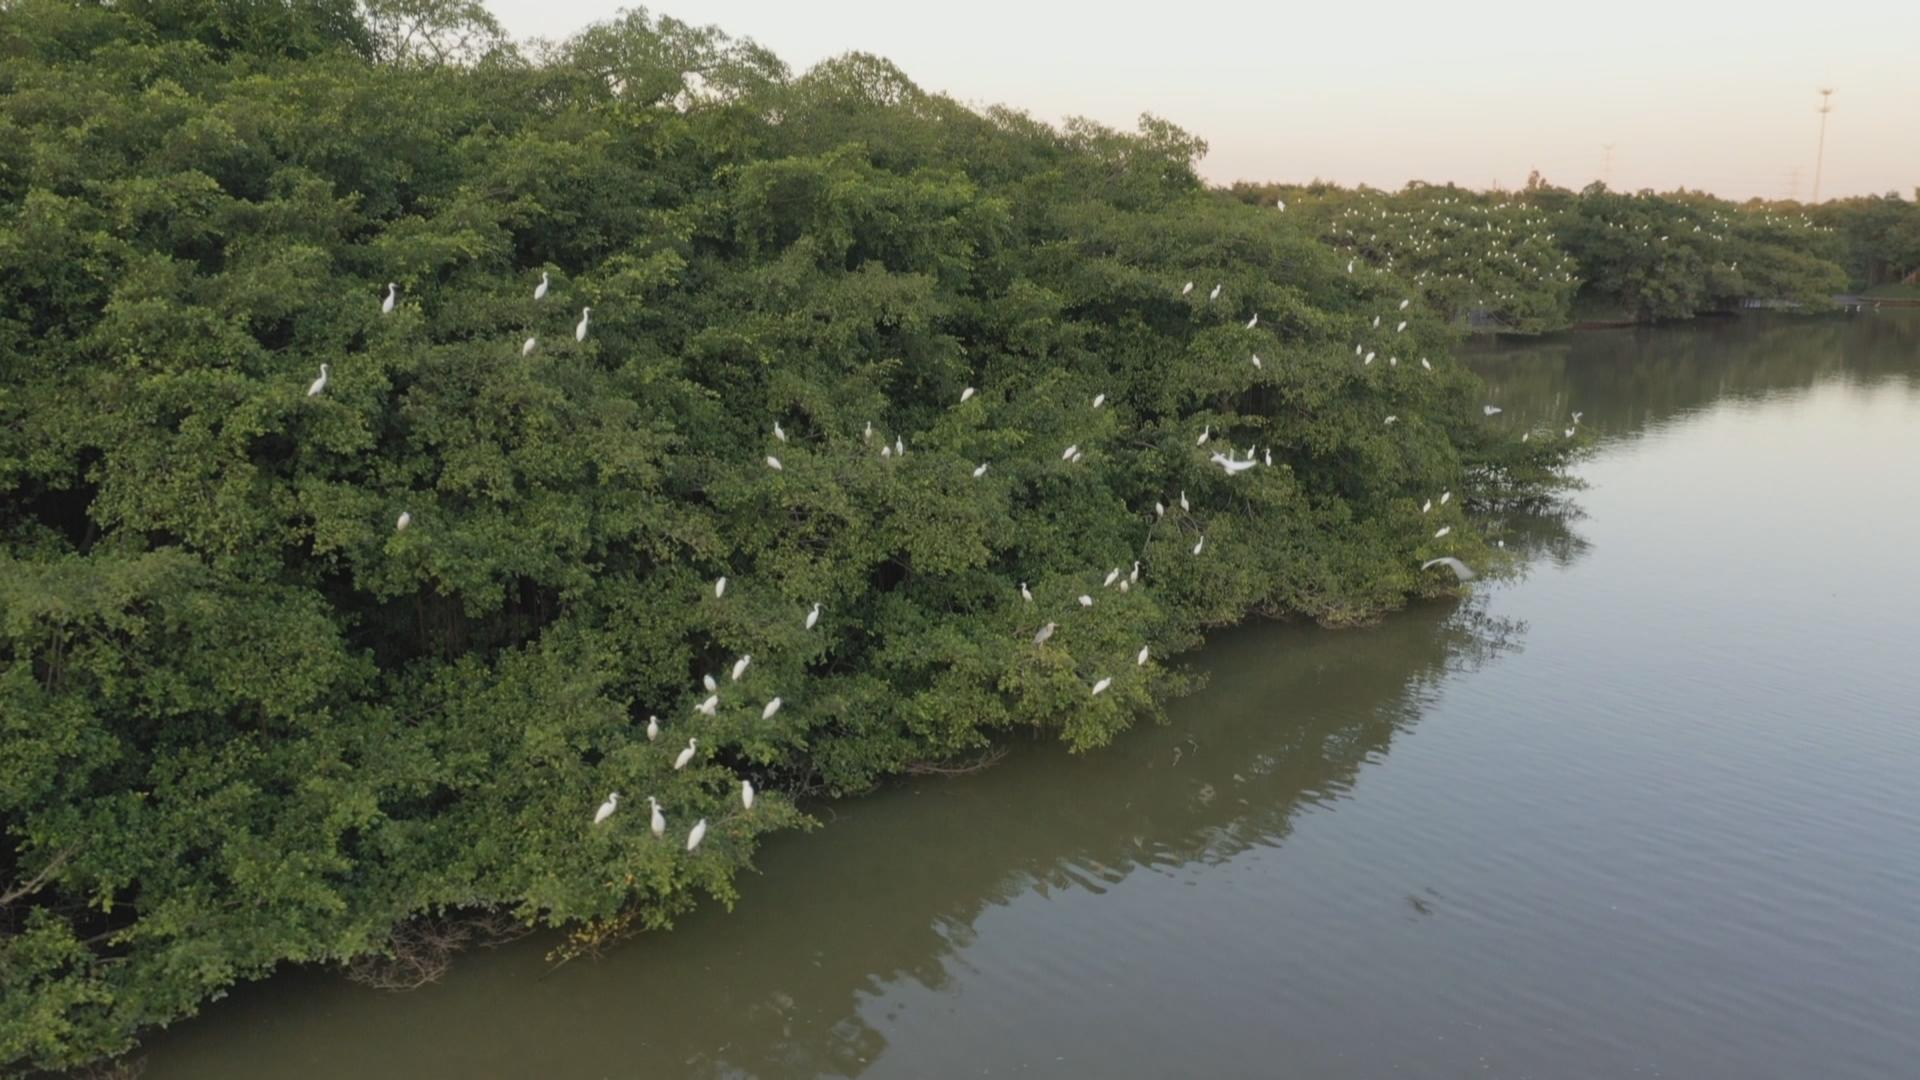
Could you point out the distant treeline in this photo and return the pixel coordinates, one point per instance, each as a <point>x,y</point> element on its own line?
<point>1544,257</point>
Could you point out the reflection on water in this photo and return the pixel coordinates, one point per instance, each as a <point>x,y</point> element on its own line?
<point>1646,810</point>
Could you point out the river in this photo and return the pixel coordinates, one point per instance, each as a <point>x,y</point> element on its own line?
<point>1647,806</point>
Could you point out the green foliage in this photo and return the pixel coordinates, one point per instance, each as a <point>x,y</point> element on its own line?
<point>248,721</point>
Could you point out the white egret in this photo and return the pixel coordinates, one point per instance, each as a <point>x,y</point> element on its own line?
<point>1577,416</point>
<point>708,682</point>
<point>1349,266</point>
<point>1101,686</point>
<point>1202,544</point>
<point>1442,531</point>
<point>1076,456</point>
<point>1067,454</point>
<point>1446,497</point>
<point>779,432</point>
<point>1142,658</point>
<point>1391,419</point>
<point>1085,600</point>
<point>1424,364</point>
<point>1569,433</point>
<point>1376,322</point>
<point>540,290</point>
<point>1159,509</point>
<point>1024,594</point>
<point>740,666</point>
<point>527,346</point>
<point>1268,456</point>
<point>1491,410</point>
<point>314,388</point>
<point>746,794</point>
<point>980,470</point>
<point>1404,303</point>
<point>1099,400</point>
<point>720,586</point>
<point>1215,294</point>
<point>405,520</point>
<point>607,808</point>
<point>1233,468</point>
<point>966,394</point>
<point>1368,360</point>
<point>1204,436</point>
<point>772,707</point>
<point>1401,328</point>
<point>1460,570</point>
<point>1525,435</point>
<point>1135,576</point>
<point>1426,506</point>
<point>710,707</point>
<point>1280,204</point>
<point>698,834</point>
<point>653,728</point>
<point>899,446</point>
<point>393,297</point>
<point>886,451</point>
<point>1045,632</point>
<point>686,755</point>
<point>1183,500</point>
<point>1256,360</point>
<point>867,435</point>
<point>813,617</point>
<point>1253,322</point>
<point>774,464</point>
<point>659,821</point>
<point>1186,288</point>
<point>1393,361</point>
<point>580,329</point>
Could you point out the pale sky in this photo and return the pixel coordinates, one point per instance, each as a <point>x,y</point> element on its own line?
<point>1715,95</point>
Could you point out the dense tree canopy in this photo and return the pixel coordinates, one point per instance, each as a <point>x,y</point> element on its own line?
<point>248,720</point>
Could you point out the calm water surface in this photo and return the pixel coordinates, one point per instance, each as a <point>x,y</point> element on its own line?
<point>1646,808</point>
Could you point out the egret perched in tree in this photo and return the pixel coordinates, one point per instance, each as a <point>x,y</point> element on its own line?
<point>1376,322</point>
<point>1233,468</point>
<point>813,617</point>
<point>772,707</point>
<point>659,821</point>
<point>1024,594</point>
<point>1135,576</point>
<point>774,464</point>
<point>1446,497</point>
<point>867,435</point>
<point>740,666</point>
<point>1268,456</point>
<point>1424,364</point>
<point>720,587</point>
<point>1577,416</point>
<point>316,386</point>
<point>1085,600</point>
<point>1253,322</point>
<point>1569,433</point>
<point>1113,575</point>
<point>1443,530</point>
<point>1186,289</point>
<point>1067,454</point>
<point>1044,633</point>
<point>1460,570</point>
<point>1183,500</point>
<point>1401,328</point>
<point>607,808</point>
<point>1391,419</point>
<point>698,833</point>
<point>540,290</point>
<point>1491,410</point>
<point>1142,658</point>
<point>746,794</point>
<point>1159,509</point>
<point>779,432</point>
<point>1393,361</point>
<point>709,683</point>
<point>527,346</point>
<point>1202,544</point>
<point>1404,303</point>
<point>1215,294</point>
<point>1099,400</point>
<point>1368,360</point>
<point>965,395</point>
<point>393,297</point>
<point>1204,436</point>
<point>899,446</point>
<point>709,706</point>
<point>580,329</point>
<point>1256,360</point>
<point>980,470</point>
<point>653,728</point>
<point>1076,456</point>
<point>1426,506</point>
<point>685,755</point>
<point>1349,266</point>
<point>1101,686</point>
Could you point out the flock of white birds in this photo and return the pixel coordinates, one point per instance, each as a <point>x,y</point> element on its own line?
<point>1229,462</point>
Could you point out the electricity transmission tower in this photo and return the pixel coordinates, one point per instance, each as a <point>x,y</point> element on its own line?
<point>1820,156</point>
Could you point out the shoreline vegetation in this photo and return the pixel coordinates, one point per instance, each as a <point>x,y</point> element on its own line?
<point>399,424</point>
